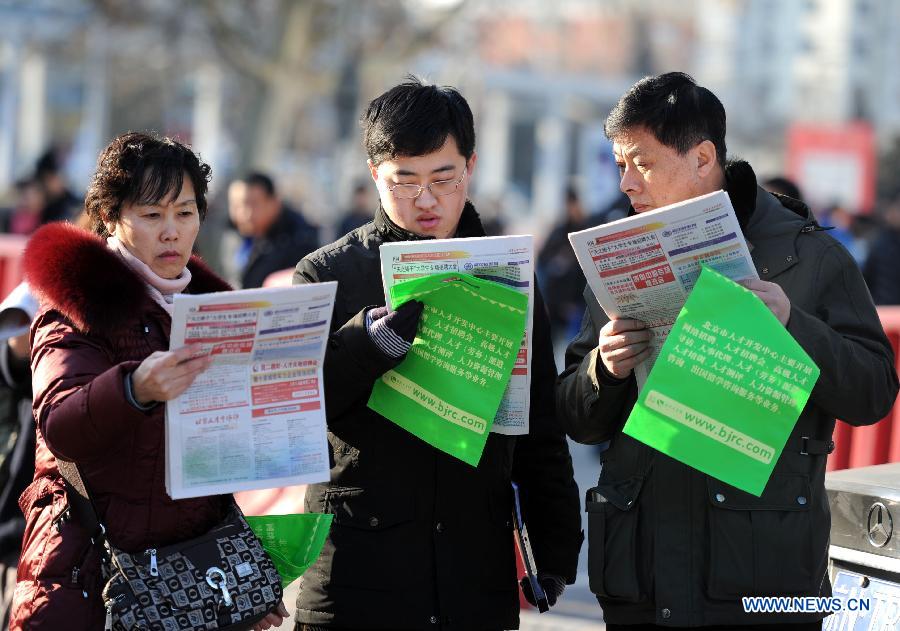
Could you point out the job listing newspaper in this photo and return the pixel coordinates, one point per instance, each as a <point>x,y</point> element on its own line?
<point>644,266</point>
<point>256,418</point>
<point>507,260</point>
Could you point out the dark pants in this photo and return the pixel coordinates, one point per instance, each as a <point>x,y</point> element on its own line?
<point>803,626</point>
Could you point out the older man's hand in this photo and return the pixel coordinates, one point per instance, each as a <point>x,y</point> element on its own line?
<point>773,295</point>
<point>623,344</point>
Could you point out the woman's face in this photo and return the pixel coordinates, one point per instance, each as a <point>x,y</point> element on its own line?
<point>161,235</point>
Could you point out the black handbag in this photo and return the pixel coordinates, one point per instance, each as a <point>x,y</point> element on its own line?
<point>222,579</point>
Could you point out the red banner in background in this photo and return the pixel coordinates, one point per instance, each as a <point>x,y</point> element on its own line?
<point>834,164</point>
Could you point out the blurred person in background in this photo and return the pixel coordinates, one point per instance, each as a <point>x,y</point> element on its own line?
<point>492,211</point>
<point>62,204</point>
<point>420,539</point>
<point>360,211</point>
<point>559,273</point>
<point>101,372</point>
<point>270,236</point>
<point>31,200</point>
<point>670,547</point>
<point>882,268</point>
<point>844,230</point>
<point>781,185</point>
<point>17,435</point>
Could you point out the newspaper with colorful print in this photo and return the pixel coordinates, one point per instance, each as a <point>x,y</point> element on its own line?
<point>506,260</point>
<point>644,266</point>
<point>255,419</point>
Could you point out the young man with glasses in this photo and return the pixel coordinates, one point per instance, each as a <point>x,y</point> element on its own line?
<point>421,539</point>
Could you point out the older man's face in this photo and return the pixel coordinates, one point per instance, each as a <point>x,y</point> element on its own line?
<point>252,209</point>
<point>655,175</point>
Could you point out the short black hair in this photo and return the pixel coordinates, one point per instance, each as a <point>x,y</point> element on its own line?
<point>415,119</point>
<point>784,186</point>
<point>142,168</point>
<point>257,178</point>
<point>47,163</point>
<point>679,113</point>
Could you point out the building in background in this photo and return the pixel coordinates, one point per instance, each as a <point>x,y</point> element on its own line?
<point>278,85</point>
<point>823,63</point>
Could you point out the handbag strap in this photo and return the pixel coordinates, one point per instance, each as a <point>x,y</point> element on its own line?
<point>80,502</point>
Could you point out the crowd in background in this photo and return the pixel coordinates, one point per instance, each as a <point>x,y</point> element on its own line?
<point>264,233</point>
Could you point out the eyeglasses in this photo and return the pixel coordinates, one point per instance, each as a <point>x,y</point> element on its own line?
<point>438,189</point>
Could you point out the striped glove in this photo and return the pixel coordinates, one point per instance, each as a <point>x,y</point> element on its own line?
<point>393,332</point>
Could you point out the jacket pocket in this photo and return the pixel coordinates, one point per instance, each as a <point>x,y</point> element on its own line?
<point>760,546</point>
<point>368,537</point>
<point>613,563</point>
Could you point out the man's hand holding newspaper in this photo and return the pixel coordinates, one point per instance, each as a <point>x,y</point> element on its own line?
<point>624,343</point>
<point>773,296</point>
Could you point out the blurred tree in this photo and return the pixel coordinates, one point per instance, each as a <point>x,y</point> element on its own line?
<point>293,54</point>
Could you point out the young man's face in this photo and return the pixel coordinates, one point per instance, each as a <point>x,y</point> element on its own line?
<point>427,215</point>
<point>655,175</point>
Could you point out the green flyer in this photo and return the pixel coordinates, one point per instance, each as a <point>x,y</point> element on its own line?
<point>448,388</point>
<point>728,387</point>
<point>292,541</point>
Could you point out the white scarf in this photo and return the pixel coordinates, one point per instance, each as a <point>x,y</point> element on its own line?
<point>161,289</point>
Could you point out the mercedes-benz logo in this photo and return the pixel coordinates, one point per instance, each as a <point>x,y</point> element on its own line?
<point>880,525</point>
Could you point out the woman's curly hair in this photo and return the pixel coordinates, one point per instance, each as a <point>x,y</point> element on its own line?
<point>142,168</point>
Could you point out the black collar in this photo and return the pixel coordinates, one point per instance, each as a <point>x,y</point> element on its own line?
<point>740,184</point>
<point>469,226</point>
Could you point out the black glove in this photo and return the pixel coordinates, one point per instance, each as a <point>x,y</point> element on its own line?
<point>393,332</point>
<point>552,585</point>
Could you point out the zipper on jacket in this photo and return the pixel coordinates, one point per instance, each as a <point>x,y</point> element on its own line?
<point>60,519</point>
<point>110,603</point>
<point>75,571</point>
<point>154,570</point>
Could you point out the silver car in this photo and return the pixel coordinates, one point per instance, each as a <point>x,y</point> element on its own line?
<point>865,547</point>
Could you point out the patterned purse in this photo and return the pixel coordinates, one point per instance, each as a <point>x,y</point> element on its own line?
<point>220,580</point>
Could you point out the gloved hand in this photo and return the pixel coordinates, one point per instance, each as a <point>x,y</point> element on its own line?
<point>393,332</point>
<point>553,588</point>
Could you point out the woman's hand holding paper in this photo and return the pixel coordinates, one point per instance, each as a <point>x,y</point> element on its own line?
<point>164,375</point>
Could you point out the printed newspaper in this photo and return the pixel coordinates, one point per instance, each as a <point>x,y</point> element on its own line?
<point>507,260</point>
<point>643,267</point>
<point>256,418</point>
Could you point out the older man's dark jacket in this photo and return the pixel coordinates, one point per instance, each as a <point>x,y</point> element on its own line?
<point>672,546</point>
<point>421,539</point>
<point>288,239</point>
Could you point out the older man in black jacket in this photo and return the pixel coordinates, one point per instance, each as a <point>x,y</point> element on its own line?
<point>668,545</point>
<point>270,237</point>
<point>421,539</point>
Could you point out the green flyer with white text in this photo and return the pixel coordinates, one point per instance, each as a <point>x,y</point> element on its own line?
<point>448,388</point>
<point>293,542</point>
<point>728,387</point>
